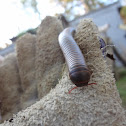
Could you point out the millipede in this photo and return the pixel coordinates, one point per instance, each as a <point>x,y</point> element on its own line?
<point>78,71</point>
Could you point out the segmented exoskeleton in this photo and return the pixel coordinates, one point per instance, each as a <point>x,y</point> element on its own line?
<point>78,71</point>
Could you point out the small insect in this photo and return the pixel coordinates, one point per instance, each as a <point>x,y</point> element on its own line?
<point>78,71</point>
<point>103,47</point>
<point>10,120</point>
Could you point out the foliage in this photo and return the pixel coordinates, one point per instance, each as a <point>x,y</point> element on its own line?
<point>71,6</point>
<point>30,3</point>
<point>121,85</point>
<point>92,4</point>
<point>123,11</point>
<point>32,31</point>
<point>123,14</point>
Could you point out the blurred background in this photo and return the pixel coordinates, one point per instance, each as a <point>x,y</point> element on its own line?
<point>21,16</point>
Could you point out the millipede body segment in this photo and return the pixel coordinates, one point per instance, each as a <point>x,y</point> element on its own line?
<point>78,71</point>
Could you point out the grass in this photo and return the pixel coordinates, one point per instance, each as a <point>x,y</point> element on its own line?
<point>121,85</point>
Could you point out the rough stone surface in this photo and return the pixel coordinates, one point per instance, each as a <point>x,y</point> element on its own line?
<point>94,105</point>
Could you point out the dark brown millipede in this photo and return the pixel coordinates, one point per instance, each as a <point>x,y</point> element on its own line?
<point>78,71</point>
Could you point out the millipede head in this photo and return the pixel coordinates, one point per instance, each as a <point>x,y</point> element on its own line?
<point>80,76</point>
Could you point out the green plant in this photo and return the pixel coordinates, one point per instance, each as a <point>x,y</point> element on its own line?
<point>121,85</point>
<point>123,11</point>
